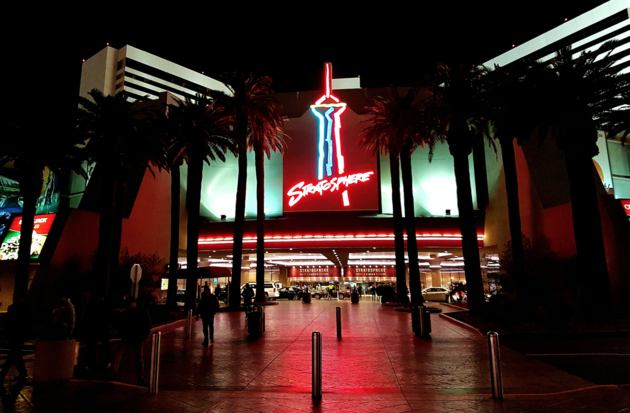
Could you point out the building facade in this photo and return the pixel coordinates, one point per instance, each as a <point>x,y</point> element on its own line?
<point>328,202</point>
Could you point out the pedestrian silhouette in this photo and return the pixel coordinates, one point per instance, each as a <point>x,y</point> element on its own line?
<point>19,323</point>
<point>207,308</point>
<point>135,326</point>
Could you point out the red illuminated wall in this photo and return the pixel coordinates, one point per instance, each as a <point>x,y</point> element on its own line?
<point>300,165</point>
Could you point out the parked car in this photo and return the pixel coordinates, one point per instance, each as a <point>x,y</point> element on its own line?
<point>435,294</point>
<point>343,293</point>
<point>271,290</point>
<point>291,293</point>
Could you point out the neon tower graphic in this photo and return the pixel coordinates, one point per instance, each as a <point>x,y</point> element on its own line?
<point>328,111</point>
<point>331,172</point>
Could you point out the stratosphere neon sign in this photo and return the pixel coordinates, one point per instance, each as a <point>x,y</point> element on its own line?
<point>328,110</point>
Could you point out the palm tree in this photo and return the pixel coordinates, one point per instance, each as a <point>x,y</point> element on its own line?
<point>456,101</point>
<point>122,141</point>
<point>201,134</point>
<point>168,129</point>
<point>399,125</point>
<point>380,138</point>
<point>258,125</point>
<point>509,108</point>
<point>30,149</point>
<point>581,94</point>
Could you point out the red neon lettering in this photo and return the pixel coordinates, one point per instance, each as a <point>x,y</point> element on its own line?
<point>300,190</point>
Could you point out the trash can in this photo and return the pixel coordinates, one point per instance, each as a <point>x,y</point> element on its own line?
<point>306,298</point>
<point>255,321</point>
<point>54,360</point>
<point>354,298</point>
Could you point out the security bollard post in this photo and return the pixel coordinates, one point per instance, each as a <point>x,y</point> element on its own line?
<point>427,320</point>
<point>189,319</point>
<point>495,365</point>
<point>154,372</point>
<point>317,365</point>
<point>424,328</point>
<point>415,320</point>
<point>338,322</point>
<point>261,321</point>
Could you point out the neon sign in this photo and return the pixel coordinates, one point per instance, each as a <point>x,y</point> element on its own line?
<point>331,165</point>
<point>300,190</point>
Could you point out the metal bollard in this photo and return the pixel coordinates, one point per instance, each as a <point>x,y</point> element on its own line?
<point>415,320</point>
<point>261,321</point>
<point>189,324</point>
<point>338,322</point>
<point>495,365</point>
<point>154,372</point>
<point>317,365</point>
<point>425,326</point>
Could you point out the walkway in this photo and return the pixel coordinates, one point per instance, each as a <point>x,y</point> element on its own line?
<point>378,365</point>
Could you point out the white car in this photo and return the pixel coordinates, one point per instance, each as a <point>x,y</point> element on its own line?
<point>435,294</point>
<point>271,290</point>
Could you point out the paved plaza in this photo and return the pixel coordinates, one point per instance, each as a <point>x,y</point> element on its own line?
<point>378,365</point>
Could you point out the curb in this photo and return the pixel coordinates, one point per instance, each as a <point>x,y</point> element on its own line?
<point>465,326</point>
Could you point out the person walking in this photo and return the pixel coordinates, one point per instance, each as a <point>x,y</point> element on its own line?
<point>96,318</point>
<point>62,325</point>
<point>208,307</point>
<point>135,326</point>
<point>359,291</point>
<point>248,294</point>
<point>19,323</point>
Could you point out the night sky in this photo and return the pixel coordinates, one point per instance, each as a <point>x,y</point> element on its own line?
<point>392,44</point>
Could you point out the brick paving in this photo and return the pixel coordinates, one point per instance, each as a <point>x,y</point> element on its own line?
<point>378,366</point>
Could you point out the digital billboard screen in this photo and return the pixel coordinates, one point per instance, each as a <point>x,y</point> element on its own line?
<point>11,243</point>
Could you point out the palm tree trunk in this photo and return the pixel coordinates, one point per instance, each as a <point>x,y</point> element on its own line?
<point>30,186</point>
<point>117,222</point>
<point>588,233</point>
<point>108,183</point>
<point>260,225</point>
<point>514,215</point>
<point>171,295</point>
<point>460,145</point>
<point>410,224</point>
<point>239,220</point>
<point>193,199</point>
<point>399,241</point>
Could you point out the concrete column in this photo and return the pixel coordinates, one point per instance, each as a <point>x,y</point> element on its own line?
<point>436,277</point>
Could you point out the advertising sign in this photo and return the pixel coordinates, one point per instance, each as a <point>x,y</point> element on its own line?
<point>10,245</point>
<point>325,271</point>
<point>324,170</point>
<point>626,205</point>
<point>47,203</point>
<point>602,163</point>
<point>373,271</point>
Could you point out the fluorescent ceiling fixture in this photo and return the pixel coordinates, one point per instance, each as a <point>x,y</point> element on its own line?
<point>454,264</point>
<point>227,266</point>
<point>364,255</point>
<point>303,263</point>
<point>444,254</point>
<point>315,256</point>
<point>253,265</point>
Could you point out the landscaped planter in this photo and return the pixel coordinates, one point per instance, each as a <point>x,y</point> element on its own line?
<point>54,360</point>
